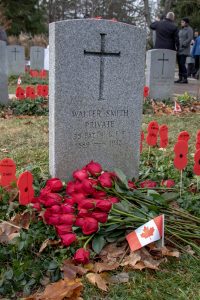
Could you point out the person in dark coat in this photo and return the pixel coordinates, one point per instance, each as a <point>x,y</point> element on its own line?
<point>185,38</point>
<point>3,35</point>
<point>166,33</point>
<point>196,55</point>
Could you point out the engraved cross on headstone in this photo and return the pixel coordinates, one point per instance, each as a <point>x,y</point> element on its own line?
<point>15,51</point>
<point>37,51</point>
<point>163,60</point>
<point>102,54</point>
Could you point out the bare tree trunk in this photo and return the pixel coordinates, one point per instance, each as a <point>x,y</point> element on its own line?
<point>168,5</point>
<point>147,15</point>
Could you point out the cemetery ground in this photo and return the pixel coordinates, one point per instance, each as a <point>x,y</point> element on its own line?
<point>25,140</point>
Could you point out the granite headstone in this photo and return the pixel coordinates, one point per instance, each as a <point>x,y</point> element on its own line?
<point>96,95</point>
<point>3,74</point>
<point>37,58</point>
<point>15,60</point>
<point>160,73</point>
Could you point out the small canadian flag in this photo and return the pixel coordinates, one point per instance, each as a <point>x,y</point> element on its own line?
<point>149,232</point>
<point>177,107</point>
<point>19,81</point>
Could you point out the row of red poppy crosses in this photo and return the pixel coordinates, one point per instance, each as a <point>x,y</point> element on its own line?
<point>30,92</point>
<point>38,74</point>
<point>24,182</point>
<point>180,148</point>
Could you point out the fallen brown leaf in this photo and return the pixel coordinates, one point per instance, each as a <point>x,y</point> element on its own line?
<point>46,243</point>
<point>63,289</point>
<point>132,259</point>
<point>101,267</point>
<point>111,253</point>
<point>170,252</point>
<point>70,271</point>
<point>97,279</point>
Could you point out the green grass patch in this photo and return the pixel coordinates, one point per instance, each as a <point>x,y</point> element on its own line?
<point>25,139</point>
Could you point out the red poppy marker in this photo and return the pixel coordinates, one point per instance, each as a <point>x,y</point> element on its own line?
<point>25,186</point>
<point>30,92</point>
<point>181,151</point>
<point>163,132</point>
<point>196,168</point>
<point>45,90</point>
<point>43,74</point>
<point>184,136</point>
<point>146,91</point>
<point>153,129</point>
<point>198,140</point>
<point>20,93</point>
<point>180,159</point>
<point>7,172</point>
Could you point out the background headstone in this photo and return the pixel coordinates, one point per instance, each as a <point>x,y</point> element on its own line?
<point>46,58</point>
<point>160,73</point>
<point>15,60</point>
<point>3,74</point>
<point>96,95</point>
<point>37,58</point>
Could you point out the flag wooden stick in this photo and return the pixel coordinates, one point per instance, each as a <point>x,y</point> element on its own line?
<point>181,182</point>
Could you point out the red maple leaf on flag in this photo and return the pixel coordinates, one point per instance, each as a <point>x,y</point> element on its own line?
<point>147,232</point>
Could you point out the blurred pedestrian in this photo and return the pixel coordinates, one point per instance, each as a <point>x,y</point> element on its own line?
<point>166,33</point>
<point>185,38</point>
<point>196,55</point>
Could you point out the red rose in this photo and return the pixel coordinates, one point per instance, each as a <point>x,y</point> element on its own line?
<point>54,219</point>
<point>51,199</point>
<point>148,184</point>
<point>94,168</point>
<point>69,201</point>
<point>90,226</point>
<point>70,188</point>
<point>101,217</point>
<point>37,206</point>
<point>68,238</point>
<point>105,179</point>
<point>131,185</point>
<point>54,184</point>
<point>88,185</point>
<point>99,194</point>
<point>83,213</point>
<point>67,209</point>
<point>55,209</point>
<point>113,199</point>
<point>82,256</point>
<point>87,204</point>
<point>79,222</point>
<point>67,219</point>
<point>63,229</point>
<point>78,187</point>
<point>80,175</point>
<point>104,205</point>
<point>78,197</point>
<point>45,191</point>
<point>168,183</point>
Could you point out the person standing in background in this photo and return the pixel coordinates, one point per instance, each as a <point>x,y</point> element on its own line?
<point>166,33</point>
<point>196,55</point>
<point>185,38</point>
<point>3,35</point>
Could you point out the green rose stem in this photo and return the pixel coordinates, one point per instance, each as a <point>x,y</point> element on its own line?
<point>128,215</point>
<point>88,240</point>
